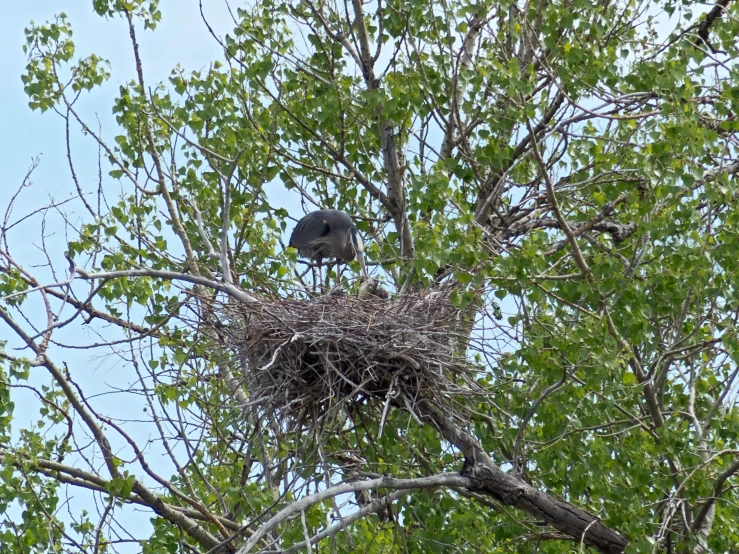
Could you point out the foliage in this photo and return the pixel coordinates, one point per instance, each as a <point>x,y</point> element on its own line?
<point>568,166</point>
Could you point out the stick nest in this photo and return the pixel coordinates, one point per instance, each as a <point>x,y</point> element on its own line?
<point>301,359</point>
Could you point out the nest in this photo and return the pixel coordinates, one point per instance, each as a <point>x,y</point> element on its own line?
<point>304,359</point>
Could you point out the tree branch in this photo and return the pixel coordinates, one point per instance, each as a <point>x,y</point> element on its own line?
<point>227,288</point>
<point>509,490</point>
<point>444,479</point>
<point>716,12</point>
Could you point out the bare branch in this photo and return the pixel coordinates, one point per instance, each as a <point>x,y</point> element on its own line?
<point>442,480</point>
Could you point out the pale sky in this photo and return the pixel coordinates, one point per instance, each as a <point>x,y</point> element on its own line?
<point>181,39</point>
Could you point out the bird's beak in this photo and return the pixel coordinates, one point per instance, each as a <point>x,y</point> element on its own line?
<point>360,259</point>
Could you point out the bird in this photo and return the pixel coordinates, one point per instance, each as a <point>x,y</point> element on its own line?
<point>328,234</point>
<point>370,289</point>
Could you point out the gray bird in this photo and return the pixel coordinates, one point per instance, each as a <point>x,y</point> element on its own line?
<point>328,234</point>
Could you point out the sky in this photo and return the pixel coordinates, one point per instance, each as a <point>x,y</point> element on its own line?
<point>180,39</point>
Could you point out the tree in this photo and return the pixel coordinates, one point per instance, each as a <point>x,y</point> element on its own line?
<point>566,168</point>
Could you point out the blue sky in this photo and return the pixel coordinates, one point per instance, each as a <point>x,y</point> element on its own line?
<point>180,39</point>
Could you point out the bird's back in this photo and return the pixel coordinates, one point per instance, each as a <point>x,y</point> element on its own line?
<point>326,234</point>
<point>316,225</point>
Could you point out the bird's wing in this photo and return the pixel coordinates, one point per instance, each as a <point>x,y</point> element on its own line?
<point>308,229</point>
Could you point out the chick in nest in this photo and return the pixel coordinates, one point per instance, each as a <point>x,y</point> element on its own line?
<point>370,288</point>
